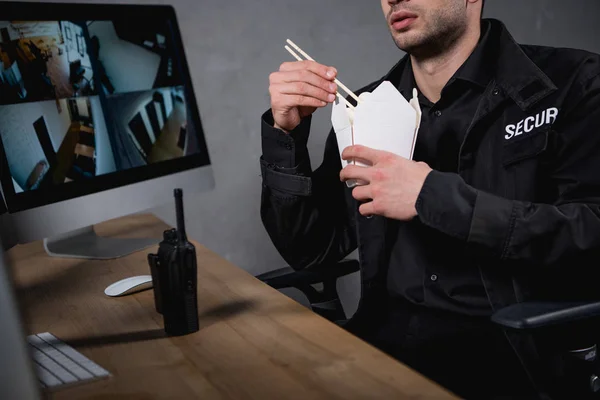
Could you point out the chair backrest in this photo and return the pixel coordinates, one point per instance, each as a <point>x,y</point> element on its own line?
<point>325,301</point>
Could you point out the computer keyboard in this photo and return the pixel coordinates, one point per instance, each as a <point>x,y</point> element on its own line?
<point>57,364</point>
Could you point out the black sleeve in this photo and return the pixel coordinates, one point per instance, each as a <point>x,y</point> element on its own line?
<point>536,234</point>
<point>304,212</point>
<point>280,148</point>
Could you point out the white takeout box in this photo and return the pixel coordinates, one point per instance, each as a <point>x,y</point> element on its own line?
<point>383,120</point>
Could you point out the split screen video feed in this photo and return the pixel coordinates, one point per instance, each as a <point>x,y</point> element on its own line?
<point>83,99</point>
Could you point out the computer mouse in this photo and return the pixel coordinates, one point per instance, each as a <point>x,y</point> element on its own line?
<point>129,286</point>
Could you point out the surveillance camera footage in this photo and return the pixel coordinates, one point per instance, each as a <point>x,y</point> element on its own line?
<point>43,60</point>
<point>151,126</point>
<point>55,141</point>
<point>133,57</point>
<point>83,99</point>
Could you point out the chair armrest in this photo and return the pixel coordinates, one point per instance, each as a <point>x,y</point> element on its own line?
<point>534,315</point>
<point>288,277</point>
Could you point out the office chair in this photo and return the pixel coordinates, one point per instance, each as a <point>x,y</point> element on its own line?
<point>324,302</point>
<point>566,332</point>
<point>76,72</point>
<point>77,76</point>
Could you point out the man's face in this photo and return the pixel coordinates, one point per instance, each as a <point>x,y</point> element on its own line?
<point>425,25</point>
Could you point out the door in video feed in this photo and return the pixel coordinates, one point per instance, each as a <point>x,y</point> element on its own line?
<point>52,125</point>
<point>145,97</point>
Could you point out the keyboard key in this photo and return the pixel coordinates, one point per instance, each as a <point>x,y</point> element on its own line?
<point>56,369</point>
<point>60,358</point>
<point>46,377</point>
<point>74,355</point>
<point>58,364</point>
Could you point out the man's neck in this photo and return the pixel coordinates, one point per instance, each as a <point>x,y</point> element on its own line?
<point>433,73</point>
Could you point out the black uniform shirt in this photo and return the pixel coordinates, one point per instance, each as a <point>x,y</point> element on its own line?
<point>432,274</point>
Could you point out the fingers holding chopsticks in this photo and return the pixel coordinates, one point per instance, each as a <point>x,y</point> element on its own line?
<point>323,71</point>
<point>302,94</point>
<point>298,89</point>
<point>304,75</point>
<point>305,83</point>
<point>294,94</point>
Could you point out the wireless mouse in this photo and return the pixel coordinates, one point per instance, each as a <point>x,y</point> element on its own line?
<point>129,286</point>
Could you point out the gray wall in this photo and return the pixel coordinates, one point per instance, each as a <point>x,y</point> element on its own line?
<point>232,46</point>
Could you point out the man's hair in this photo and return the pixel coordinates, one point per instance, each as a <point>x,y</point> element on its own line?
<point>482,6</point>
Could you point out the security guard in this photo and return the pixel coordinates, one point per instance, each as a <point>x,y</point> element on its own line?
<point>501,205</point>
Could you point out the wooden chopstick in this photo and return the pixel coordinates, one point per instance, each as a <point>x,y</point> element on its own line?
<point>337,93</point>
<point>340,84</point>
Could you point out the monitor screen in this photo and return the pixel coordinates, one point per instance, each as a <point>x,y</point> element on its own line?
<point>92,97</point>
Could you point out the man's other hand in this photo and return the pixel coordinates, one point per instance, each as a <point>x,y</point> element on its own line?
<point>393,183</point>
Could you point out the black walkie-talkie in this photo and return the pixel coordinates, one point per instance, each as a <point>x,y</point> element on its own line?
<point>174,274</point>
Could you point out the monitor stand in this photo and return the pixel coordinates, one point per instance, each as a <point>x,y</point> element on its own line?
<point>85,243</point>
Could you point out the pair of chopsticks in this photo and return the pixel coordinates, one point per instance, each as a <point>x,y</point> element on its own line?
<point>340,84</point>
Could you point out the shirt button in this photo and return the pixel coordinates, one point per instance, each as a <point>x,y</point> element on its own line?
<point>434,278</point>
<point>438,113</point>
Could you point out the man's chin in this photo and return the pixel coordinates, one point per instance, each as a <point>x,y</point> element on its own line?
<point>406,46</point>
<point>406,41</point>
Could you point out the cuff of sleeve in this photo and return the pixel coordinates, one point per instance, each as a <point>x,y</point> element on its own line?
<point>446,204</point>
<point>280,148</point>
<point>285,180</point>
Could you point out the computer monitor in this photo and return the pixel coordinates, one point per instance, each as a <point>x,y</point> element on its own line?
<point>98,119</point>
<point>17,376</point>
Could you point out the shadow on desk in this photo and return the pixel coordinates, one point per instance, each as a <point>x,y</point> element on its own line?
<point>119,338</point>
<point>227,310</point>
<point>221,312</point>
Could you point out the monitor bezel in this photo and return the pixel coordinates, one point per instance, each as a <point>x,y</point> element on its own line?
<point>38,11</point>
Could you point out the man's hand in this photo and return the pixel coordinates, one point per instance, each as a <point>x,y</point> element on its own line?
<point>393,182</point>
<point>298,89</point>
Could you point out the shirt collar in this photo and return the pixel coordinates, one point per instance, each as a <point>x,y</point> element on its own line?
<point>501,59</point>
<point>478,67</point>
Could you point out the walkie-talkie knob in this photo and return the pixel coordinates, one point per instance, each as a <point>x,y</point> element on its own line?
<point>171,235</point>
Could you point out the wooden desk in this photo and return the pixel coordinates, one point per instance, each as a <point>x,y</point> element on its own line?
<point>86,129</point>
<point>253,343</point>
<point>83,150</point>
